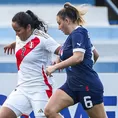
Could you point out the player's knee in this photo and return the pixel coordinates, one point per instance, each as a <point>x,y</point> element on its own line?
<point>48,111</point>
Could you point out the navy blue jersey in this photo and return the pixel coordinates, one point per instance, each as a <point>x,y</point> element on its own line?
<point>80,76</point>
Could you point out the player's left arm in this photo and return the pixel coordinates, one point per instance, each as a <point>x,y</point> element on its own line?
<point>95,55</point>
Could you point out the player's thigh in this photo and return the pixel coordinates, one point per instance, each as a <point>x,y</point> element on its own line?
<point>38,103</point>
<point>97,111</point>
<point>92,102</point>
<point>18,103</point>
<point>59,100</point>
<point>6,112</point>
<point>38,108</point>
<point>89,99</point>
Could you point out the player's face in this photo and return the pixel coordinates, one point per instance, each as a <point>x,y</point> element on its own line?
<point>63,25</point>
<point>21,32</point>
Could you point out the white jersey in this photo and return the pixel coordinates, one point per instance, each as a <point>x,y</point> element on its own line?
<point>33,56</point>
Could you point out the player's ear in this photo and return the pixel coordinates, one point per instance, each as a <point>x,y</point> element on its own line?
<point>29,27</point>
<point>67,20</point>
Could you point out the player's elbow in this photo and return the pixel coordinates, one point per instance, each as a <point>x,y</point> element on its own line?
<point>79,56</point>
<point>96,56</point>
<point>78,59</point>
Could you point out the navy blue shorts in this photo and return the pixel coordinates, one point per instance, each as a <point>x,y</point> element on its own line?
<point>87,98</point>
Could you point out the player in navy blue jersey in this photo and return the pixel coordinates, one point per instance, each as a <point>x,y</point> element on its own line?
<point>77,57</point>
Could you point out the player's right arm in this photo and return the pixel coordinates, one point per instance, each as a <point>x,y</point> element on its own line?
<point>10,49</point>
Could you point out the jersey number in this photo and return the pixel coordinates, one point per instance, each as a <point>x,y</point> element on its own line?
<point>88,102</point>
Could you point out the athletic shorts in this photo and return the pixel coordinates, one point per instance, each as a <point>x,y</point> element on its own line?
<point>22,103</point>
<point>87,98</point>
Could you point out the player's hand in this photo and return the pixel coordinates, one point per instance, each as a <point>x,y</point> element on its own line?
<point>56,62</point>
<point>59,70</point>
<point>50,70</point>
<point>10,49</point>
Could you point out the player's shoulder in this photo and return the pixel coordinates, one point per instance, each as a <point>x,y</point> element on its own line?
<point>41,34</point>
<point>80,30</point>
<point>44,37</point>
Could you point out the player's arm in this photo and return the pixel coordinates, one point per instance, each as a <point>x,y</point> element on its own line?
<point>10,49</point>
<point>57,50</point>
<point>76,58</point>
<point>57,60</point>
<point>95,55</point>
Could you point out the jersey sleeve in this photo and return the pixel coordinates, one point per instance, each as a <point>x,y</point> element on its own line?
<point>51,45</point>
<point>78,42</point>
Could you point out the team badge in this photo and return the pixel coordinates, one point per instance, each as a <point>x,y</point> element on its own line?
<point>23,52</point>
<point>61,52</point>
<point>31,44</point>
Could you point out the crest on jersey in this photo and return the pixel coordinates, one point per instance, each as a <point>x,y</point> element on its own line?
<point>61,52</point>
<point>31,44</point>
<point>23,52</point>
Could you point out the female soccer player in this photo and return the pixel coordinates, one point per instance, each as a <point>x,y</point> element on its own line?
<point>83,84</point>
<point>33,50</point>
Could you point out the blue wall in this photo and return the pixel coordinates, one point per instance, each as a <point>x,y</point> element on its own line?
<point>45,1</point>
<point>96,33</point>
<point>100,67</point>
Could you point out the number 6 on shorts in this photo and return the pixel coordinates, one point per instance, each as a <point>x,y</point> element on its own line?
<point>88,102</point>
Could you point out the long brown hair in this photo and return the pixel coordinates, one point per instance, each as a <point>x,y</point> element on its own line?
<point>74,13</point>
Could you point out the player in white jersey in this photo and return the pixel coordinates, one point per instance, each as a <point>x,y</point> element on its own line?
<point>33,50</point>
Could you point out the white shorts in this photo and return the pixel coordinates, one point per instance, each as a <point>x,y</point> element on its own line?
<point>25,103</point>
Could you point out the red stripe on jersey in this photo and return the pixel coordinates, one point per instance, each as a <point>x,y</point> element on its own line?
<point>49,92</point>
<point>21,53</point>
<point>25,116</point>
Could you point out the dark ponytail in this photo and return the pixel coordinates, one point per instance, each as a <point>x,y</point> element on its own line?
<point>37,23</point>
